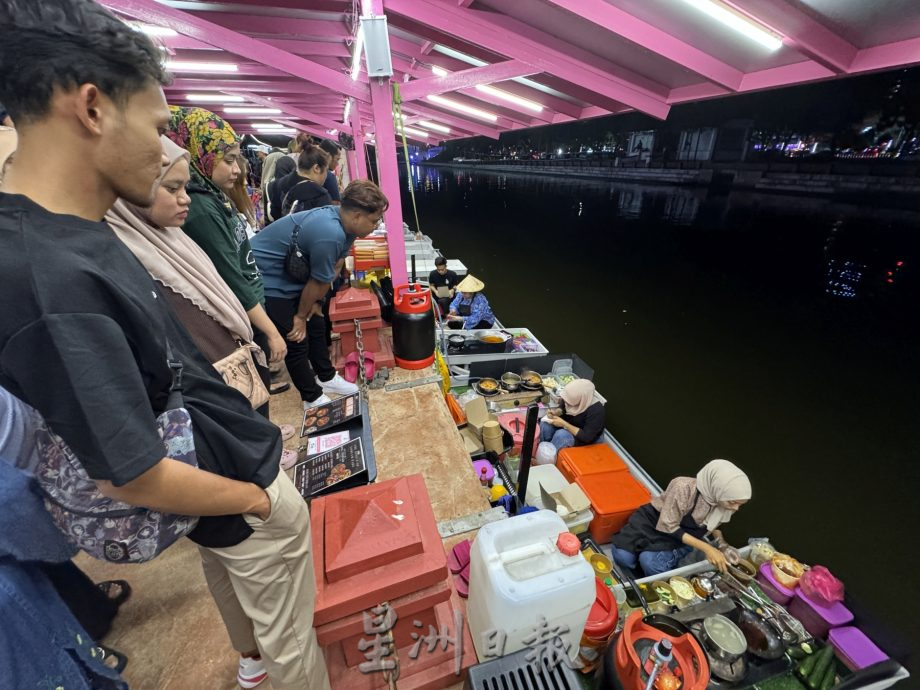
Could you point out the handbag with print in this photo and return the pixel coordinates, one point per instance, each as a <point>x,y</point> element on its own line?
<point>103,527</point>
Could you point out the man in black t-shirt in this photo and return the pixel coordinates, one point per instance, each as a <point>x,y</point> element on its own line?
<point>84,330</point>
<point>442,283</point>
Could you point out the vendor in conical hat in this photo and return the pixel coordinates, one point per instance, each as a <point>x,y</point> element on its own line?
<point>470,309</point>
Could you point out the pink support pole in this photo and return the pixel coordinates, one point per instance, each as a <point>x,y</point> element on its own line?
<point>359,170</point>
<point>387,166</point>
<point>388,169</point>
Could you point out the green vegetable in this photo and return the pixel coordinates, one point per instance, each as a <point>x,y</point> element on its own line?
<point>830,677</point>
<point>807,648</point>
<point>798,652</point>
<point>807,666</point>
<point>825,657</point>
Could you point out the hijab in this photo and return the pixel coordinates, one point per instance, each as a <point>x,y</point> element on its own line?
<point>721,480</point>
<point>175,259</point>
<point>203,134</point>
<point>578,396</point>
<point>268,167</point>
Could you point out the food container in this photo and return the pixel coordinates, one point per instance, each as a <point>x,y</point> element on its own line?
<point>781,594</point>
<point>786,570</point>
<point>602,565</point>
<point>488,386</point>
<point>818,619</point>
<point>762,552</point>
<point>703,586</point>
<point>743,571</point>
<point>614,497</point>
<point>595,458</point>
<point>854,649</point>
<point>665,593</point>
<point>601,624</point>
<point>723,639</point>
<point>511,381</point>
<point>531,380</point>
<point>456,341</point>
<point>683,591</point>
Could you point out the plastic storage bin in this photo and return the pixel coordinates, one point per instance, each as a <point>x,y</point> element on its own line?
<point>854,649</point>
<point>818,619</point>
<point>781,594</point>
<point>594,459</point>
<point>551,479</point>
<point>614,497</point>
<point>517,573</point>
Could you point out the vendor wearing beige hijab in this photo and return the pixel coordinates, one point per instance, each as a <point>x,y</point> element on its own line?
<point>580,420</point>
<point>659,534</point>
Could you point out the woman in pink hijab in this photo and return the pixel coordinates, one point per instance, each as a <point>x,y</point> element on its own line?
<point>580,422</point>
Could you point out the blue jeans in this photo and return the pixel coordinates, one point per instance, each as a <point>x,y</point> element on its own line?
<point>558,437</point>
<point>651,562</point>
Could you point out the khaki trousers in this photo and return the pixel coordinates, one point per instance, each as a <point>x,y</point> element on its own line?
<point>265,590</point>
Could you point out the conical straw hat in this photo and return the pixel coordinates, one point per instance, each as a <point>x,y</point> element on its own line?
<point>470,284</point>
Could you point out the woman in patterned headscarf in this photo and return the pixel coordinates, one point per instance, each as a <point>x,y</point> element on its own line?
<point>214,150</point>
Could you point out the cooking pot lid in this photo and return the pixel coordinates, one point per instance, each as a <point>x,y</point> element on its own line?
<point>725,635</point>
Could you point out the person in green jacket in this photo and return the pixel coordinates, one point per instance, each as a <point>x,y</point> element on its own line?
<point>213,222</point>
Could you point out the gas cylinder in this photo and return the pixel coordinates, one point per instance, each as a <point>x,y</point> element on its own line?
<point>413,327</point>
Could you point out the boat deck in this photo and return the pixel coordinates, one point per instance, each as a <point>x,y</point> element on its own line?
<point>171,606</point>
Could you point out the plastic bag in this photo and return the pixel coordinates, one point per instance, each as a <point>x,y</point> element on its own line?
<point>546,454</point>
<point>819,585</point>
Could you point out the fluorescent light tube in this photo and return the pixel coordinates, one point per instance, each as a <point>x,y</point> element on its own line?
<point>415,132</point>
<point>246,110</point>
<point>207,67</point>
<point>433,126</point>
<point>268,125</point>
<point>737,21</point>
<point>463,108</point>
<point>356,55</point>
<point>213,98</point>
<point>347,111</point>
<point>510,97</point>
<point>439,71</point>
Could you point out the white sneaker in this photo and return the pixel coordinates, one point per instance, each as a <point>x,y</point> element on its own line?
<point>321,400</point>
<point>251,673</point>
<point>339,386</point>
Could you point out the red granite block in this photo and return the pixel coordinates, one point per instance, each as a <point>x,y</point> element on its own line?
<point>402,632</point>
<point>409,605</point>
<point>412,566</point>
<point>433,671</point>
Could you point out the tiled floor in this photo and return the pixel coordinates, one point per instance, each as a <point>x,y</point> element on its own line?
<point>170,629</point>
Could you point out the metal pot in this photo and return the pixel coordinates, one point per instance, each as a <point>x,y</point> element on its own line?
<point>511,381</point>
<point>537,381</point>
<point>456,341</point>
<point>489,341</point>
<point>722,639</point>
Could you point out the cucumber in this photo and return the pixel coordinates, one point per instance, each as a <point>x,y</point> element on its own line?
<point>799,651</point>
<point>825,657</point>
<point>808,665</point>
<point>830,676</point>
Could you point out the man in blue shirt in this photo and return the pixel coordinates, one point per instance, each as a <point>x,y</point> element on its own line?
<point>325,237</point>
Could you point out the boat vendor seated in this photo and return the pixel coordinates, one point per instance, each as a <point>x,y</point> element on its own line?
<point>442,284</point>
<point>470,309</point>
<point>661,533</point>
<point>580,422</point>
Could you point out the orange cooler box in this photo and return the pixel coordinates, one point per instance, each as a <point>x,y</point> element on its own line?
<point>584,460</point>
<point>614,497</point>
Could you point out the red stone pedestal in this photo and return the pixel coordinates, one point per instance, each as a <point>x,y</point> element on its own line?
<point>383,357</point>
<point>375,544</point>
<point>350,304</point>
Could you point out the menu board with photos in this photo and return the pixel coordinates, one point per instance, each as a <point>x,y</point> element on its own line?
<point>316,474</point>
<point>324,417</point>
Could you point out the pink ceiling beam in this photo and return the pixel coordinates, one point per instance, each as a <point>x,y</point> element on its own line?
<point>648,36</point>
<point>309,129</point>
<point>323,48</point>
<point>801,31</point>
<point>547,54</point>
<point>797,73</point>
<point>267,86</point>
<point>898,54</point>
<point>287,26</point>
<point>231,41</point>
<point>466,78</point>
<point>288,109</point>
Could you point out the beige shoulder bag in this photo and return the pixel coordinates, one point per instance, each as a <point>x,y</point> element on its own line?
<point>239,372</point>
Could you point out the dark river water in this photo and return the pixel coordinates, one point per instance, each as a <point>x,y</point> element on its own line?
<point>779,332</point>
